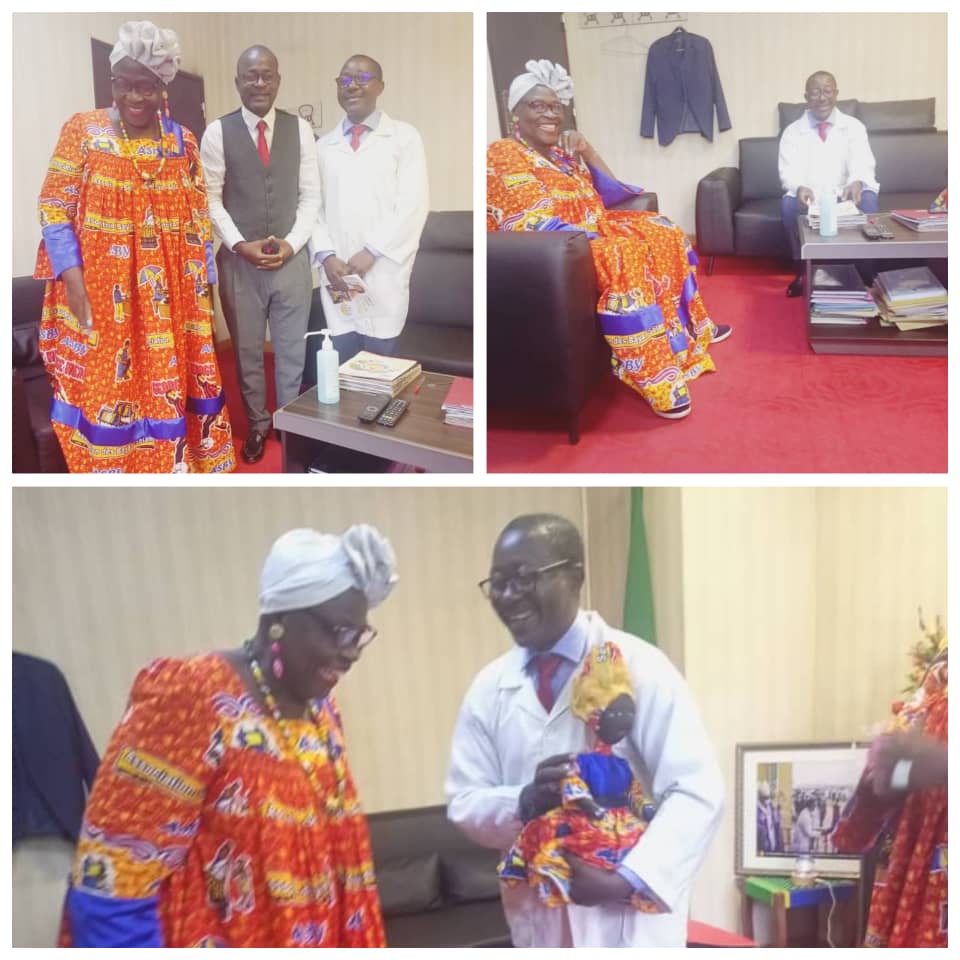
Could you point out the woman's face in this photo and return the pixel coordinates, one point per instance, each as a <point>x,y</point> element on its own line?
<point>539,117</point>
<point>138,94</point>
<point>617,719</point>
<point>322,643</point>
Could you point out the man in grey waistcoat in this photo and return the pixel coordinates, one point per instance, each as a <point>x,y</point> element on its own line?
<point>263,186</point>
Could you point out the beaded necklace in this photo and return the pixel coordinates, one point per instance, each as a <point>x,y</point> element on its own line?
<point>144,175</point>
<point>333,804</point>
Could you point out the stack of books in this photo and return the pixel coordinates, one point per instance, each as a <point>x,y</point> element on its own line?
<point>840,296</point>
<point>371,373</point>
<point>458,403</point>
<point>911,299</point>
<point>921,220</point>
<point>848,215</point>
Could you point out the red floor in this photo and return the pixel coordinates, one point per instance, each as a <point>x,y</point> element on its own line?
<point>773,406</point>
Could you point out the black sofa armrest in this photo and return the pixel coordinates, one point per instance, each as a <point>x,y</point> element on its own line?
<point>544,349</point>
<point>644,201</point>
<point>718,196</point>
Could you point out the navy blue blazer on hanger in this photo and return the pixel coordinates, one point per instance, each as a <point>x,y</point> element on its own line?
<point>678,78</point>
<point>54,760</point>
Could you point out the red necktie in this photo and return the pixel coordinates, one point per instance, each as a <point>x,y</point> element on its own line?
<point>822,127</point>
<point>262,147</point>
<point>547,665</point>
<point>356,133</point>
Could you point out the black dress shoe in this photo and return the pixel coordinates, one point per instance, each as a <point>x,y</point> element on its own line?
<point>254,446</point>
<point>796,287</point>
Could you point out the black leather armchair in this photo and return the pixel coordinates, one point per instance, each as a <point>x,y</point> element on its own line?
<point>35,445</point>
<point>439,327</point>
<point>738,208</point>
<point>545,351</point>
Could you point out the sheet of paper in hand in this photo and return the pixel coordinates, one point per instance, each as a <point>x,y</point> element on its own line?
<point>355,301</point>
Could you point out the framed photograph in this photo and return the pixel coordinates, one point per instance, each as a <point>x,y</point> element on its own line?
<point>789,799</point>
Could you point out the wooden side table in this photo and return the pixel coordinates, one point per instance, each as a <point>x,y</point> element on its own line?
<point>780,895</point>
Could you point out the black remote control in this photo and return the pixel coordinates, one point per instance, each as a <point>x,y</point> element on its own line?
<point>393,413</point>
<point>373,409</point>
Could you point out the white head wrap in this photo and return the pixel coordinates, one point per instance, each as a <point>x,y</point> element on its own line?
<point>157,49</point>
<point>541,73</point>
<point>305,568</point>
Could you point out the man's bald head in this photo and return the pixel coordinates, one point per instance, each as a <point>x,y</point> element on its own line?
<point>561,537</point>
<point>258,79</point>
<point>256,52</point>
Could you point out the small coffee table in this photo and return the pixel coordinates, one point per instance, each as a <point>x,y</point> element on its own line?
<point>420,438</point>
<point>851,244</point>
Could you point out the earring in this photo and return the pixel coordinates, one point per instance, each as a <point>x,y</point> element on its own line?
<point>166,104</point>
<point>275,633</point>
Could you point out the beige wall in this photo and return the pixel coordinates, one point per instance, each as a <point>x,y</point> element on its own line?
<point>798,609</point>
<point>789,609</point>
<point>417,52</point>
<point>762,58</point>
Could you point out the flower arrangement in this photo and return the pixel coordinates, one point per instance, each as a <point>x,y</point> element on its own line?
<point>925,651</point>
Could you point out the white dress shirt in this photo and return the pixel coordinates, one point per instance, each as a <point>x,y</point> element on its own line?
<point>214,169</point>
<point>844,157</point>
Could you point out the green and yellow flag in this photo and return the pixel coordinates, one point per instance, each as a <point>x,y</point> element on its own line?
<point>638,617</point>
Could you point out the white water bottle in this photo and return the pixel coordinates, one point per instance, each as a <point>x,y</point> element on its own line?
<point>828,212</point>
<point>328,368</point>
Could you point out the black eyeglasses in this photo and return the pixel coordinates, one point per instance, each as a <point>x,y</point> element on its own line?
<point>144,88</point>
<point>360,79</point>
<point>522,581</point>
<point>543,106</point>
<point>347,635</point>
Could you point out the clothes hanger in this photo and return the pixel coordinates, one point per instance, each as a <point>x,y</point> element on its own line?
<point>625,45</point>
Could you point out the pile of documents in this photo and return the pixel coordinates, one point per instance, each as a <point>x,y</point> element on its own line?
<point>911,299</point>
<point>458,404</point>
<point>840,296</point>
<point>921,220</point>
<point>370,373</point>
<point>848,215</point>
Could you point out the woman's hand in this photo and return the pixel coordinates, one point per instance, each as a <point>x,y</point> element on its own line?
<point>576,144</point>
<point>77,299</point>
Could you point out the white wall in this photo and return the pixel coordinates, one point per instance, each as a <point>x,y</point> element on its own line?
<point>762,58</point>
<point>426,60</point>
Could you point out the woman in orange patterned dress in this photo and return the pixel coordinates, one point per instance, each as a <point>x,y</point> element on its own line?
<point>126,332</point>
<point>650,311</point>
<point>223,812</point>
<point>900,806</point>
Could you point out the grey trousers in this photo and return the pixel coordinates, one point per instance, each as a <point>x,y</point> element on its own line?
<point>251,299</point>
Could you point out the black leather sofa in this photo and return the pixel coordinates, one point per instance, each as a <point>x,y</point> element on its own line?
<point>439,327</point>
<point>35,445</point>
<point>738,208</point>
<point>545,351</point>
<point>437,888</point>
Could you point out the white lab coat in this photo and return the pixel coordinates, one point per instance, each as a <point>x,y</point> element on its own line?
<point>503,732</point>
<point>376,197</point>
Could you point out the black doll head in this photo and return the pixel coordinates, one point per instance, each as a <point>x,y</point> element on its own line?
<point>616,719</point>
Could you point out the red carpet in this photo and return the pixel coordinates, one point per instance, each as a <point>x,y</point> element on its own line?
<point>773,406</point>
<point>272,460</point>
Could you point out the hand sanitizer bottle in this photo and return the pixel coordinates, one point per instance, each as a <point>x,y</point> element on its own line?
<point>828,211</point>
<point>328,368</point>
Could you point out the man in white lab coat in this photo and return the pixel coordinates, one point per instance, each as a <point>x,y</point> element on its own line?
<point>512,747</point>
<point>373,174</point>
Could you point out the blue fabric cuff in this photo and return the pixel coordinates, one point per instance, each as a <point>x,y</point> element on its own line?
<point>611,191</point>
<point>63,248</point>
<point>211,263</point>
<point>112,921</point>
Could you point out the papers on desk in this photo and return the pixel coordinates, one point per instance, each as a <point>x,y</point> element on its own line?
<point>370,373</point>
<point>458,403</point>
<point>353,302</point>
<point>848,215</point>
<point>839,296</point>
<point>911,299</point>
